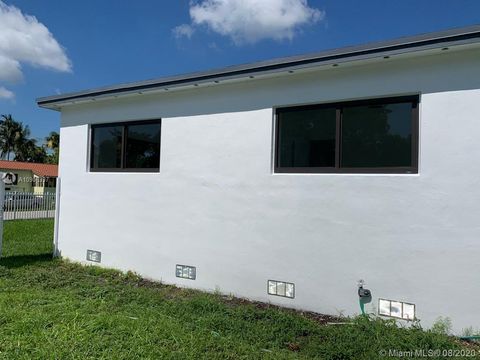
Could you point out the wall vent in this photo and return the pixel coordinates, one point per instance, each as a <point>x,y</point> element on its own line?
<point>95,256</point>
<point>185,272</point>
<point>396,309</point>
<point>281,288</point>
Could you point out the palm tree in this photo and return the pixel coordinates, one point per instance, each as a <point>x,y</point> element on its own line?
<point>27,150</point>
<point>15,140</point>
<point>53,143</point>
<point>53,140</point>
<point>22,137</point>
<point>10,133</point>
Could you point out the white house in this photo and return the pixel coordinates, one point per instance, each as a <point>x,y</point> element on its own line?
<point>287,181</point>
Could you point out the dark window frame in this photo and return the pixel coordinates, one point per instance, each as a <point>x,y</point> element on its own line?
<point>123,154</point>
<point>337,169</point>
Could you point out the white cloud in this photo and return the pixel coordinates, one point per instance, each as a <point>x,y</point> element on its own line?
<point>6,94</point>
<point>249,21</point>
<point>23,39</point>
<point>9,69</point>
<point>183,30</point>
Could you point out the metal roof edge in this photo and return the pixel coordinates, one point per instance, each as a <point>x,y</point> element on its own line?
<point>464,35</point>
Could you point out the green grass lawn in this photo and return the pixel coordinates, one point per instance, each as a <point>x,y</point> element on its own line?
<point>53,309</point>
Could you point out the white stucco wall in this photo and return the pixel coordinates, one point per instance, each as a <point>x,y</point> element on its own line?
<point>217,205</point>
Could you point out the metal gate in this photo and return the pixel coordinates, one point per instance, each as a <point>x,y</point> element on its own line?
<point>20,205</point>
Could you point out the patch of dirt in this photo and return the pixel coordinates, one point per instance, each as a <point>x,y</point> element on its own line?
<point>320,318</point>
<point>173,291</point>
<point>293,346</point>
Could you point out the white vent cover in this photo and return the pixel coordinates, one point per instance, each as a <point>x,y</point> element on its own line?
<point>281,288</point>
<point>396,309</point>
<point>95,256</point>
<point>186,272</point>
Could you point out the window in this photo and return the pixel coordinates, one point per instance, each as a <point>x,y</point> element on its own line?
<point>374,136</point>
<point>143,146</point>
<point>107,147</point>
<point>51,182</point>
<point>307,138</point>
<point>132,146</point>
<point>44,181</point>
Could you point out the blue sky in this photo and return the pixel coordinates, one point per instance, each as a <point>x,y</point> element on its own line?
<point>110,42</point>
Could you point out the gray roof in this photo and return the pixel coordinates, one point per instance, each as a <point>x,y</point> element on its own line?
<point>458,36</point>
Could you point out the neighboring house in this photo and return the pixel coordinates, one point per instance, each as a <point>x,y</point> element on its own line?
<point>315,171</point>
<point>30,177</point>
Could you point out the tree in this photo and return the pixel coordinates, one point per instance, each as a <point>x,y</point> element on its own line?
<point>28,151</point>
<point>10,132</point>
<point>15,142</point>
<point>52,142</point>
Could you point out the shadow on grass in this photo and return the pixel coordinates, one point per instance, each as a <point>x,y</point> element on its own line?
<point>12,262</point>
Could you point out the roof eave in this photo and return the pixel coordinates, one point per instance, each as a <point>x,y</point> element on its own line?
<point>277,67</point>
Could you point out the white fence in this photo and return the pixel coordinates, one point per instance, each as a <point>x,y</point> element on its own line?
<point>19,205</point>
